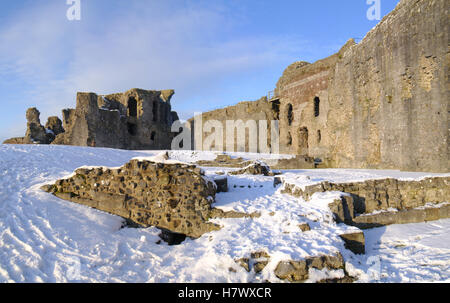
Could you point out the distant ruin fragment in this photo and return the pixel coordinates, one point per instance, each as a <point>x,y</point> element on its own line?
<point>136,119</point>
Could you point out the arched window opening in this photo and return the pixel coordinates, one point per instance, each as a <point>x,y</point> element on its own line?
<point>319,136</point>
<point>316,106</point>
<point>153,136</point>
<point>132,107</point>
<point>290,114</point>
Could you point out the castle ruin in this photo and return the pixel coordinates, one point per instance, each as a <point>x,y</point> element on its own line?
<point>136,119</point>
<point>381,104</point>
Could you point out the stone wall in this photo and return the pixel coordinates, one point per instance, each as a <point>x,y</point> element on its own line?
<point>386,201</point>
<point>373,103</point>
<point>301,131</point>
<point>173,196</point>
<point>381,103</point>
<point>389,93</point>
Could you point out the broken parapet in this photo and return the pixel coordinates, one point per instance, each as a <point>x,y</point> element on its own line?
<point>150,192</point>
<point>36,133</point>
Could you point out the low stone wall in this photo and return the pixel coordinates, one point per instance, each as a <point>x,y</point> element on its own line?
<point>298,162</point>
<point>399,201</point>
<point>423,214</point>
<point>176,197</point>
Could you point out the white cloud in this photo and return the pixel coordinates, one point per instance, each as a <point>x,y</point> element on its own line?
<point>151,47</point>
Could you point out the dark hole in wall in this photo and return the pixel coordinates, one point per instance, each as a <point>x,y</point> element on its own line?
<point>132,107</point>
<point>290,114</point>
<point>276,109</point>
<point>155,111</point>
<point>153,136</point>
<point>316,106</point>
<point>319,136</point>
<point>132,129</point>
<point>289,138</point>
<point>170,237</point>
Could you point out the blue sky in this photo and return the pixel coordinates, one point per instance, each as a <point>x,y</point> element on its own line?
<point>213,53</point>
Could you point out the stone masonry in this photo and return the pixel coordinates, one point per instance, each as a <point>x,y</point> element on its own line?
<point>381,202</point>
<point>173,196</point>
<point>379,104</point>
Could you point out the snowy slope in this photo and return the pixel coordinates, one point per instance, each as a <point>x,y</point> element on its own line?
<point>43,238</point>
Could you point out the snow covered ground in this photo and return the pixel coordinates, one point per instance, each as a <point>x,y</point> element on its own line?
<point>45,239</point>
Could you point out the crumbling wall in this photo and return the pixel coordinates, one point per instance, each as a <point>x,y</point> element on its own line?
<point>136,119</point>
<point>36,133</point>
<point>382,202</point>
<point>382,103</point>
<point>388,95</point>
<point>173,196</point>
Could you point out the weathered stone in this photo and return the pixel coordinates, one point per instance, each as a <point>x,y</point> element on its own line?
<point>254,168</point>
<point>355,242</point>
<point>293,271</point>
<point>218,213</point>
<point>244,262</point>
<point>382,195</point>
<point>304,227</point>
<point>245,112</point>
<point>54,124</point>
<point>163,203</point>
<point>32,116</point>
<point>402,217</point>
<point>277,181</point>
<point>369,105</point>
<point>297,162</point>
<point>222,184</point>
<point>343,209</point>
<point>259,266</point>
<point>298,271</point>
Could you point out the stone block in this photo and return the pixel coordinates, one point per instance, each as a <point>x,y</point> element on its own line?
<point>354,242</point>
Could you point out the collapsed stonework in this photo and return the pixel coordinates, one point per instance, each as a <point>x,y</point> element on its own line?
<point>36,133</point>
<point>375,203</point>
<point>381,103</point>
<point>136,119</point>
<point>170,195</point>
